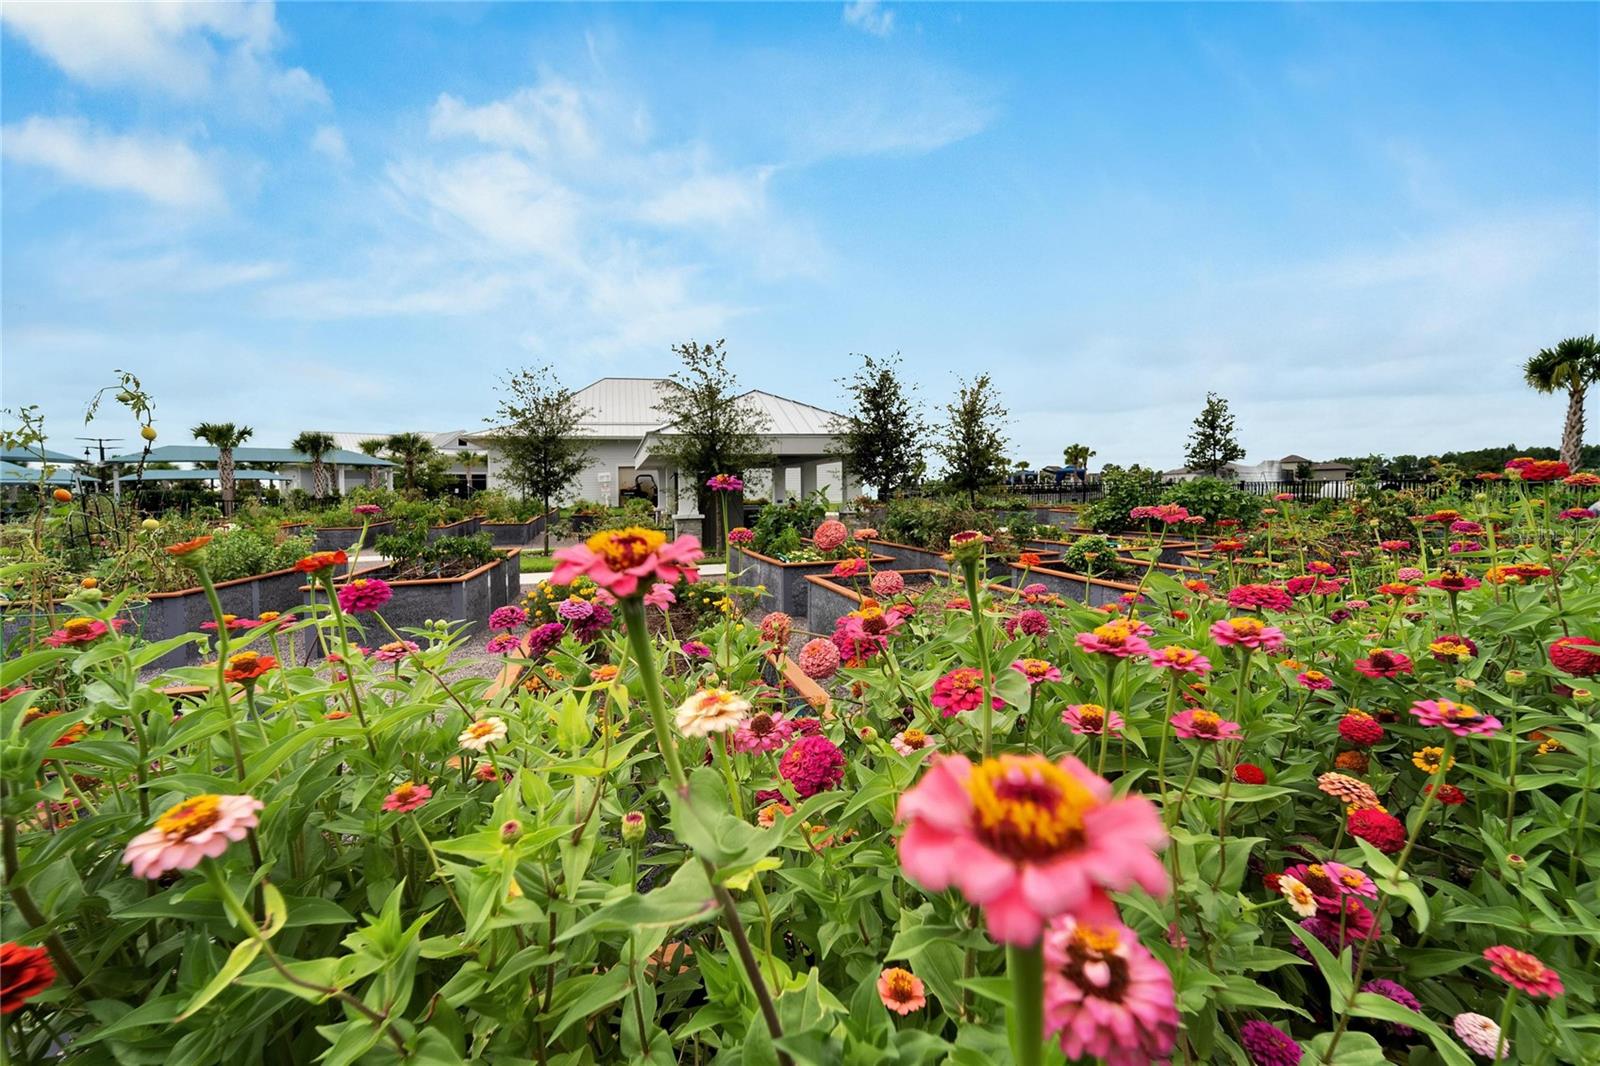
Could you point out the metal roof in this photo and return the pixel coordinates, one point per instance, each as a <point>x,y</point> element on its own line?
<point>621,407</point>
<point>207,475</point>
<point>37,454</point>
<point>204,453</point>
<point>449,440</point>
<point>12,474</point>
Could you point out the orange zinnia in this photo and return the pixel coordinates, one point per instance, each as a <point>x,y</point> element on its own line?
<point>188,546</point>
<point>318,561</point>
<point>248,665</point>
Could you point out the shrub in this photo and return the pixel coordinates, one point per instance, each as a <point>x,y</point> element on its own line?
<point>1214,498</point>
<point>1122,491</point>
<point>1105,563</point>
<point>780,527</point>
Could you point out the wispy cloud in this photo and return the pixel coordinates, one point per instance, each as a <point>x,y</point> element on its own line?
<point>869,16</point>
<point>329,142</point>
<point>182,50</point>
<point>164,171</point>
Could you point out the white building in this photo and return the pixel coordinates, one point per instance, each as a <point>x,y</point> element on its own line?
<point>1285,469</point>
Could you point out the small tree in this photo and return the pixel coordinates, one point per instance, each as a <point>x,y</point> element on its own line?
<point>711,428</point>
<point>315,445</point>
<point>973,445</point>
<point>224,437</point>
<point>1570,367</point>
<point>1212,444</point>
<point>881,439</point>
<point>537,434</point>
<point>374,447</point>
<point>413,452</point>
<point>1077,456</point>
<point>1303,471</point>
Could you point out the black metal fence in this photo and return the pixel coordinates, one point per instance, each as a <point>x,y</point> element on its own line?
<point>1082,490</point>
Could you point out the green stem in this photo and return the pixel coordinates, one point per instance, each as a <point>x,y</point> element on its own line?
<point>1025,1024</point>
<point>969,570</point>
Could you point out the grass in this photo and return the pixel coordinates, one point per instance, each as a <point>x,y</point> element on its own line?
<point>534,562</point>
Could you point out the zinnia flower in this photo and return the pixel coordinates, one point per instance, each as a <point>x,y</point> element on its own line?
<point>198,828</point>
<point>741,535</point>
<point>248,665</point>
<point>317,562</point>
<point>1105,996</point>
<point>619,559</point>
<point>1481,1035</point>
<point>776,628</point>
<point>502,644</point>
<point>1315,680</point>
<point>1394,545</point>
<point>1578,656</point>
<point>1524,971</point>
<point>408,797</point>
<point>1259,597</point>
<point>888,583</point>
<point>1301,899</point>
<point>1247,632</point>
<point>1460,718</point>
<point>812,764</point>
<point>364,594</point>
<point>908,741</point>
<point>1398,993</point>
<point>1449,795</point>
<point>24,973</point>
<point>829,535</point>
<point>849,567</point>
<point>1454,581</point>
<point>1450,648</point>
<point>693,649</point>
<point>1248,773</point>
<point>187,547</point>
<point>1036,670</point>
<point>1267,1045</point>
<point>960,690</point>
<point>1360,729</point>
<point>1185,660</point>
<point>819,659</point>
<point>1027,839</point>
<point>1030,622</point>
<point>711,710</point>
<point>725,483</point>
<point>1090,719</point>
<point>543,638</point>
<point>80,631</point>
<point>508,617</point>
<point>762,731</point>
<point>395,650</point>
<point>1119,637</point>
<point>1427,760</point>
<point>366,510</point>
<point>575,609</point>
<point>901,991</point>
<point>481,734</point>
<point>1348,790</point>
<point>1384,663</point>
<point>1383,831</point>
<point>1204,725</point>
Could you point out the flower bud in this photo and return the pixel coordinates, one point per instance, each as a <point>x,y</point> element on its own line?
<point>1516,862</point>
<point>510,830</point>
<point>633,826</point>
<point>1516,678</point>
<point>968,546</point>
<point>1465,684</point>
<point>150,525</point>
<point>147,432</point>
<point>1582,695</point>
<point>867,734</point>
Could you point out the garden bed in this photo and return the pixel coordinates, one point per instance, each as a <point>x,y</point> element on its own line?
<point>468,597</point>
<point>785,584</point>
<point>343,538</point>
<point>463,528</point>
<point>514,534</point>
<point>1094,591</point>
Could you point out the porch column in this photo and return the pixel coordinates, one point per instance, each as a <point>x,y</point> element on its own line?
<point>780,477</point>
<point>808,479</point>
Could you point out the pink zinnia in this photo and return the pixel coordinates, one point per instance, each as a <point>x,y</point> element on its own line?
<point>508,617</point>
<point>1105,996</point>
<point>1027,839</point>
<point>395,650</point>
<point>1315,680</point>
<point>1091,719</point>
<point>619,559</point>
<point>660,596</point>
<point>830,535</point>
<point>1184,660</point>
<point>408,797</point>
<point>1409,573</point>
<point>1461,719</point>
<point>364,594</point>
<point>849,567</point>
<point>503,644</point>
<point>960,690</point>
<point>82,631</point>
<point>1384,663</point>
<point>812,764</point>
<point>725,483</point>
<point>1247,632</point>
<point>1259,597</point>
<point>819,659</point>
<point>1030,622</point>
<point>1204,725</point>
<point>888,583</point>
<point>741,535</point>
<point>762,731</point>
<point>366,510</point>
<point>1524,971</point>
<point>198,828</point>
<point>1036,670</point>
<point>1119,637</point>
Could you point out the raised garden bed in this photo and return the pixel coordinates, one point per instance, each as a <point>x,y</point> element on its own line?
<point>514,534</point>
<point>910,555</point>
<point>831,598</point>
<point>463,528</point>
<point>785,583</point>
<point>343,538</point>
<point>468,597</point>
<point>1096,592</point>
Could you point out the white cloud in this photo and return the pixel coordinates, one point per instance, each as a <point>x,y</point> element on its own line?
<point>543,120</point>
<point>167,172</point>
<point>869,15</point>
<point>183,50</point>
<point>710,199</point>
<point>329,141</point>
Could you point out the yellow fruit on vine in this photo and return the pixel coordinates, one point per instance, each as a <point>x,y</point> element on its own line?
<point>90,582</point>
<point>150,524</point>
<point>147,432</point>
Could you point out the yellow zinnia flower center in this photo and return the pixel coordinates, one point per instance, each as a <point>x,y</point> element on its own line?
<point>626,548</point>
<point>190,817</point>
<point>1027,807</point>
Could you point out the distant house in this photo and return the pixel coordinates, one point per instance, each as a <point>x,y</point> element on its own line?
<point>293,469</point>
<point>1285,469</point>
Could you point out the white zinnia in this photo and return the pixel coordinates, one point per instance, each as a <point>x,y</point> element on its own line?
<point>711,710</point>
<point>1481,1035</point>
<point>1301,899</point>
<point>480,734</point>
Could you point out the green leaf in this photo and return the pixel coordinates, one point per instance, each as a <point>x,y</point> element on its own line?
<point>1355,1049</point>
<point>1334,971</point>
<point>243,954</point>
<point>685,898</point>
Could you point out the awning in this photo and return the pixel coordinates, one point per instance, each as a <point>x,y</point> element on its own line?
<point>205,475</point>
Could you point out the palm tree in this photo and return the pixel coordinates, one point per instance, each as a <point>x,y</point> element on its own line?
<point>1572,366</point>
<point>468,460</point>
<point>373,446</point>
<point>224,437</point>
<point>410,450</point>
<point>1077,456</point>
<point>315,445</point>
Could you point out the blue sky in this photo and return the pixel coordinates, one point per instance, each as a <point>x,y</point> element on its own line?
<point>1353,221</point>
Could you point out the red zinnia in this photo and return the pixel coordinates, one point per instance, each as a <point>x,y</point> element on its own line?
<point>1382,831</point>
<point>1360,730</point>
<point>1248,773</point>
<point>1449,795</point>
<point>1384,663</point>
<point>24,973</point>
<point>1543,470</point>
<point>1522,970</point>
<point>1578,656</point>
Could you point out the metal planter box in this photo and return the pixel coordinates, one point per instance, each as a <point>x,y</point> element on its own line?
<point>343,538</point>
<point>785,583</point>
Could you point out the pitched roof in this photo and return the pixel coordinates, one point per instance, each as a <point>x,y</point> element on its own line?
<point>12,474</point>
<point>37,453</point>
<point>206,475</point>
<point>204,453</point>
